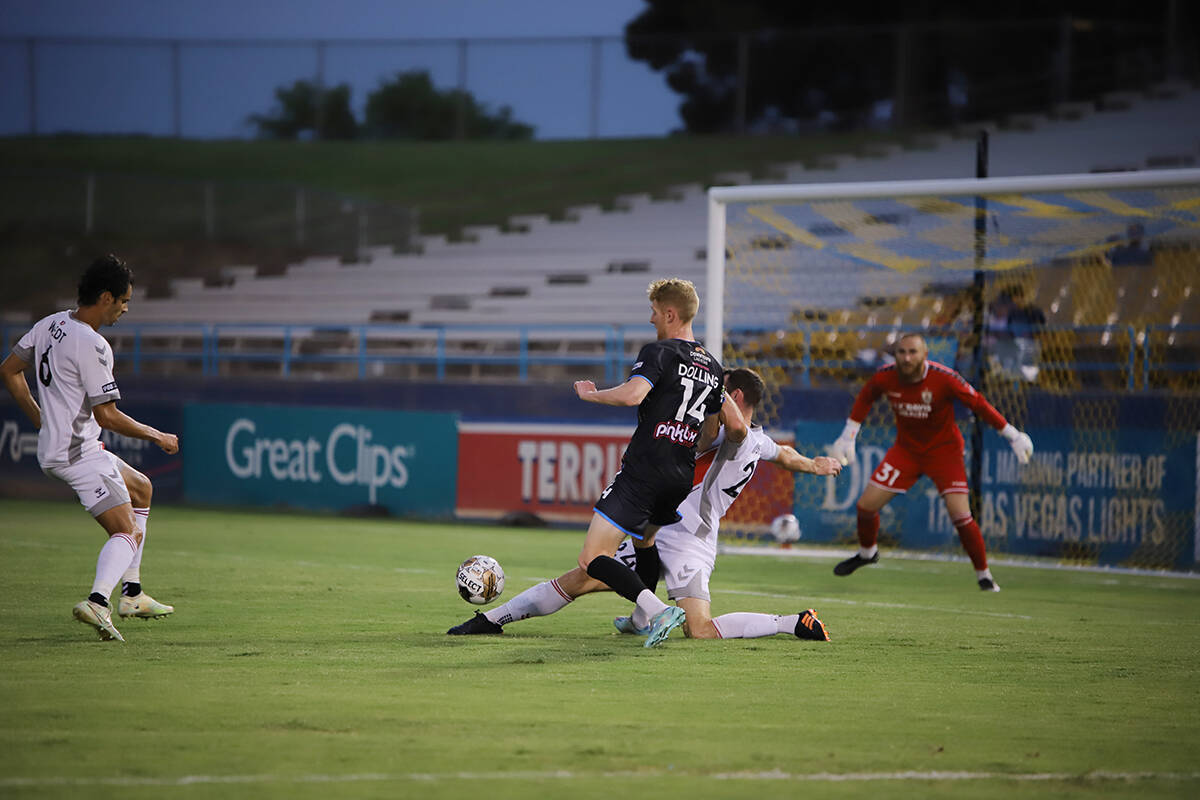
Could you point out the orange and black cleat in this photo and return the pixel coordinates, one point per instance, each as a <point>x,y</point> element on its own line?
<point>809,627</point>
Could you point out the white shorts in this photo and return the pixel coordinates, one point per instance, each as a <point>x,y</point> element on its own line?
<point>96,479</point>
<point>687,562</point>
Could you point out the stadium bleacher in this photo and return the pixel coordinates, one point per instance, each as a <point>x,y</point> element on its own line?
<point>592,268</point>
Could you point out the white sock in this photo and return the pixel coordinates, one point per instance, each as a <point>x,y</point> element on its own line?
<point>648,605</point>
<point>980,574</point>
<point>536,601</point>
<point>114,558</point>
<point>748,625</point>
<point>868,552</point>
<point>134,574</point>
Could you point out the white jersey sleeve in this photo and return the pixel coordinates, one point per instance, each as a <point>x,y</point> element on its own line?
<point>727,468</point>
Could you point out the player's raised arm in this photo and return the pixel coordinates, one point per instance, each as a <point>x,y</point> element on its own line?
<point>1020,442</point>
<point>13,370</point>
<point>112,418</point>
<point>630,393</point>
<point>843,448</point>
<point>736,429</point>
<point>793,461</point>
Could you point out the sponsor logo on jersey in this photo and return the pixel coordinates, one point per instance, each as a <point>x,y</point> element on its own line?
<point>108,387</point>
<point>700,356</point>
<point>913,410</point>
<point>638,364</point>
<point>677,432</point>
<point>101,349</point>
<point>699,374</point>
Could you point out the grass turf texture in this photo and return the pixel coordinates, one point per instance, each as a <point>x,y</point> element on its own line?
<point>308,657</point>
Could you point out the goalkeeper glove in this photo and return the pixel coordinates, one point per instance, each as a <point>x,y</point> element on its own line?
<point>843,448</point>
<point>1021,444</point>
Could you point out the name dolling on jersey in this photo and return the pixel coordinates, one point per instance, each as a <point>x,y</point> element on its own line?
<point>677,432</point>
<point>699,374</point>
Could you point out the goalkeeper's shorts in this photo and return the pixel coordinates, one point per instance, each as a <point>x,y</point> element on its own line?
<point>901,468</point>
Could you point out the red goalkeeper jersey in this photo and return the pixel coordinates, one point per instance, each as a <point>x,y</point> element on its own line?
<point>925,410</point>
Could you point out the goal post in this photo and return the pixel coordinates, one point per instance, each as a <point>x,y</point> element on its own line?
<point>1091,303</point>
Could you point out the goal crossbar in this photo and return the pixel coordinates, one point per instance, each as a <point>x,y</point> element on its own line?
<point>720,196</point>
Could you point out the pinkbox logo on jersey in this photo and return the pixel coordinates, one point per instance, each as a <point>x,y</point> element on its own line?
<point>677,432</point>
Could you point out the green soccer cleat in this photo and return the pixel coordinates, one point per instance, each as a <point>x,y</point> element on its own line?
<point>143,606</point>
<point>625,625</point>
<point>99,617</point>
<point>663,623</point>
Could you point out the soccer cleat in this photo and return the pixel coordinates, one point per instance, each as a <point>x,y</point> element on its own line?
<point>854,562</point>
<point>625,625</point>
<point>989,585</point>
<point>99,617</point>
<point>143,606</point>
<point>478,624</point>
<point>811,628</point>
<point>662,624</point>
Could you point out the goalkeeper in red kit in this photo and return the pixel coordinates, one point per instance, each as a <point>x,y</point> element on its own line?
<point>922,395</point>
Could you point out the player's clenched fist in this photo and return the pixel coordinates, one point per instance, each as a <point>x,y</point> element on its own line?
<point>584,388</point>
<point>824,465</point>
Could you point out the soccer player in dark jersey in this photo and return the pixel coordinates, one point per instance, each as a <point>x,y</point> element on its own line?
<point>678,388</point>
<point>922,394</point>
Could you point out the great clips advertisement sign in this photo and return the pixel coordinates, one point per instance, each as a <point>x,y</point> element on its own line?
<point>554,471</point>
<point>559,471</point>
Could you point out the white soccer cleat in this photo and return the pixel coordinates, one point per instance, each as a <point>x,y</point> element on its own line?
<point>99,617</point>
<point>143,607</point>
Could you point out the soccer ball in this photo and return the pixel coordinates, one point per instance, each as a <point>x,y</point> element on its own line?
<point>786,528</point>
<point>480,579</point>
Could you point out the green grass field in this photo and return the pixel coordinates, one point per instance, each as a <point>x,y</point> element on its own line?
<point>308,658</point>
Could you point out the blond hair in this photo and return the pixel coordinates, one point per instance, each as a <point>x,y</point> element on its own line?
<point>677,293</point>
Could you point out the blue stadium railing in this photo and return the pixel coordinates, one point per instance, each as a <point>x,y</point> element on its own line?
<point>1134,348</point>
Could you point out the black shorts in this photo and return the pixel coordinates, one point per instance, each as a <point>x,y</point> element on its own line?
<point>632,503</point>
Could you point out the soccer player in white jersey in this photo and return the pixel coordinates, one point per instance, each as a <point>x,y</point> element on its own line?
<point>77,394</point>
<point>688,548</point>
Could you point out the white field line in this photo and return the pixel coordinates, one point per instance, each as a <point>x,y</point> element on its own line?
<point>827,552</point>
<point>568,775</point>
<point>872,603</point>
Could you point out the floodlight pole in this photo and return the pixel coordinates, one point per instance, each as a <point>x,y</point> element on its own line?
<point>981,171</point>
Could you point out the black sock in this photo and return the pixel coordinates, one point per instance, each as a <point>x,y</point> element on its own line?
<point>98,599</point>
<point>649,565</point>
<point>620,578</point>
<point>131,589</point>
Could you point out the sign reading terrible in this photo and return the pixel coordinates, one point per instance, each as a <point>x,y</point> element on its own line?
<point>320,458</point>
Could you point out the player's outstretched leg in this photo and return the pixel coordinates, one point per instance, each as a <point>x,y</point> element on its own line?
<point>854,562</point>
<point>663,623</point>
<point>99,617</point>
<point>142,606</point>
<point>811,628</point>
<point>478,624</point>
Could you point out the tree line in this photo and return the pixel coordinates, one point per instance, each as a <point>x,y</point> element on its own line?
<point>406,106</point>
